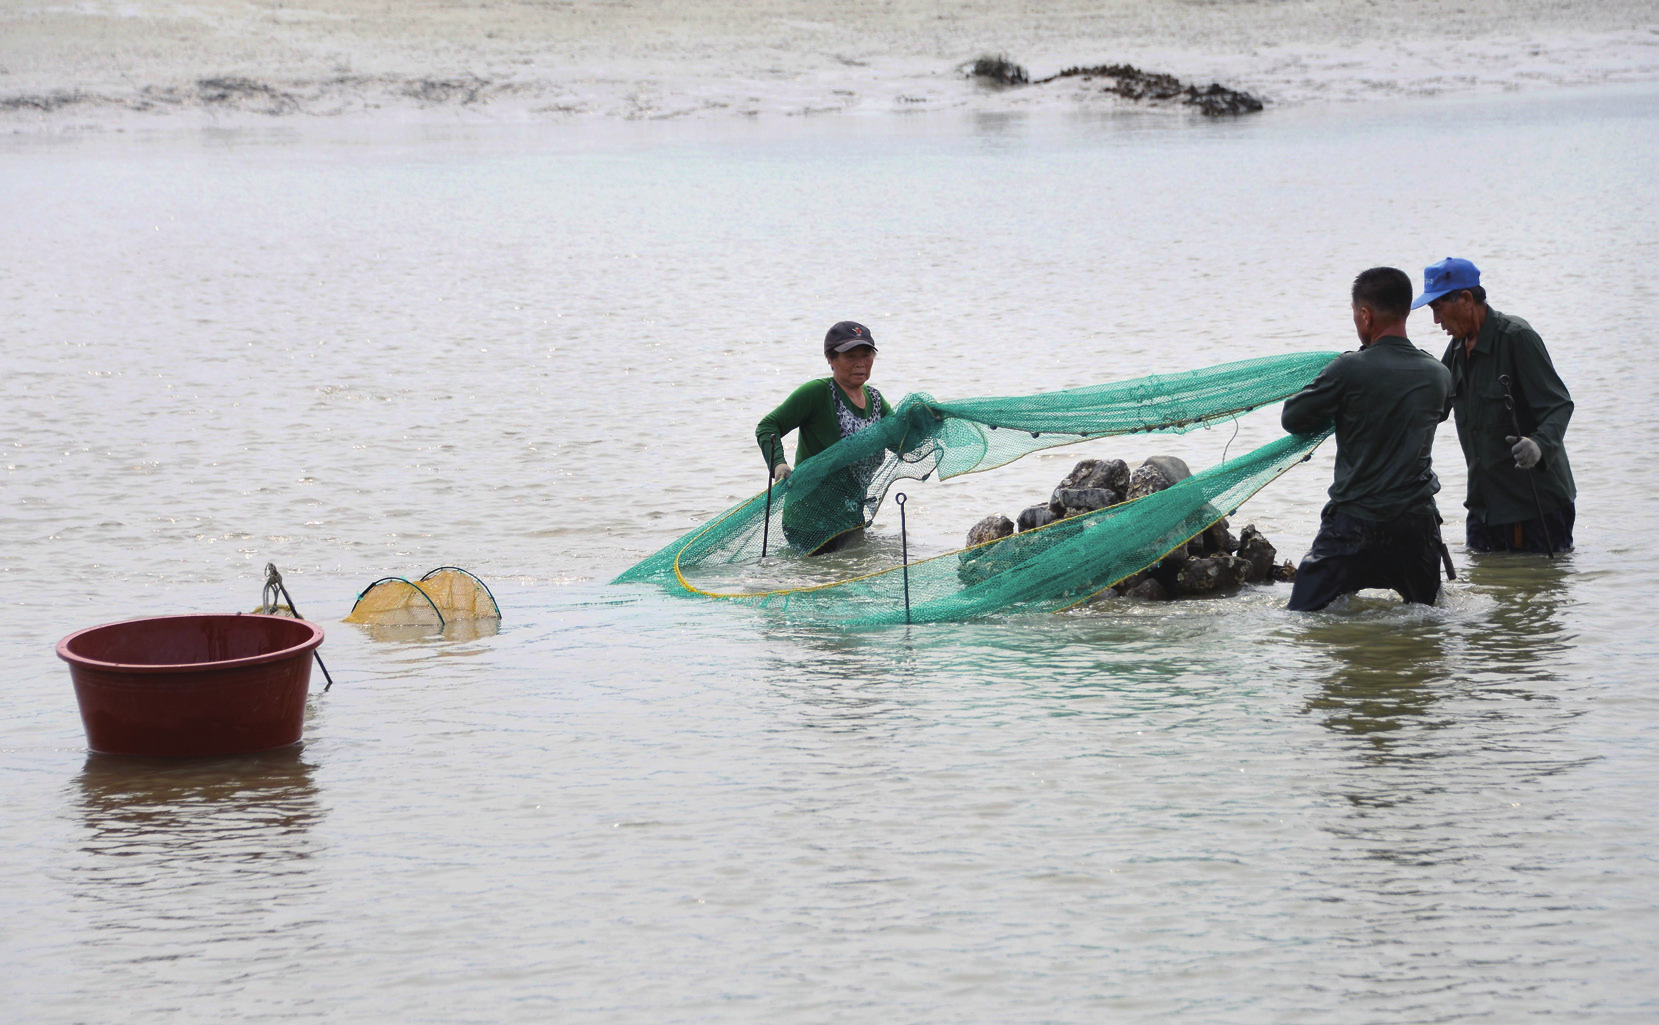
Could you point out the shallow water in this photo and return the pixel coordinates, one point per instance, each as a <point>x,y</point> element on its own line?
<point>539,352</point>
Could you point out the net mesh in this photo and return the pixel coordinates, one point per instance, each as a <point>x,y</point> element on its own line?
<point>445,595</point>
<point>840,489</point>
<point>459,594</point>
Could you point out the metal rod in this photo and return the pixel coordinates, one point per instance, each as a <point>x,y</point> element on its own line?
<point>1515,422</point>
<point>904,555</point>
<point>766,527</point>
<point>273,578</point>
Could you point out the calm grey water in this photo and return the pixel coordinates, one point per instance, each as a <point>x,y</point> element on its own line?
<point>539,352</point>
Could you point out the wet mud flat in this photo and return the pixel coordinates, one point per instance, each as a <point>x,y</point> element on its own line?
<point>98,65</point>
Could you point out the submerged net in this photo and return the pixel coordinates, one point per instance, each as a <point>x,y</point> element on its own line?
<point>840,489</point>
<point>444,595</point>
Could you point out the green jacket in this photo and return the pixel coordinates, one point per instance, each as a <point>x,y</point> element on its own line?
<point>810,409</point>
<point>1509,346</point>
<point>1385,401</point>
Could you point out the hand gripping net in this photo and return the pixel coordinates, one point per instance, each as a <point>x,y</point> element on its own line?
<point>1050,568</point>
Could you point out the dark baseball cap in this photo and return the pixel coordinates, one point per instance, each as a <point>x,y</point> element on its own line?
<point>847,335</point>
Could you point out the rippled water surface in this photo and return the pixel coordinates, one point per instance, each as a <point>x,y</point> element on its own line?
<point>539,353</point>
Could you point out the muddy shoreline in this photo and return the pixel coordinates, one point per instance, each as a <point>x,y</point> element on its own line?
<point>223,61</point>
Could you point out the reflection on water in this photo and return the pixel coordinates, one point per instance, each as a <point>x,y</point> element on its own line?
<point>1389,665</point>
<point>843,681</point>
<point>453,630</point>
<point>1186,661</point>
<point>271,789</point>
<point>1456,759</point>
<point>1441,708</point>
<point>1524,634</point>
<point>174,844</point>
<point>1382,677</point>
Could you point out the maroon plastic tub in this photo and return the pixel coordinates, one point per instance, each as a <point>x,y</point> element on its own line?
<point>177,686</point>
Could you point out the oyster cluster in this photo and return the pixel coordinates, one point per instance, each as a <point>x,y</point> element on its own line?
<point>1215,560</point>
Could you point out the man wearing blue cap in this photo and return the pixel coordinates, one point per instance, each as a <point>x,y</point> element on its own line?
<point>1381,527</point>
<point>1521,490</point>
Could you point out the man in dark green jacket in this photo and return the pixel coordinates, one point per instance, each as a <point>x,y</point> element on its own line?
<point>1381,527</point>
<point>1521,490</point>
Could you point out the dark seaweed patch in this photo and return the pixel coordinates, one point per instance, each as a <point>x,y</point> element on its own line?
<point>245,92</point>
<point>998,70</point>
<point>432,92</point>
<point>1130,82</point>
<point>44,103</point>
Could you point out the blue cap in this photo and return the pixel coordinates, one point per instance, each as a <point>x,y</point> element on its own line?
<point>1449,275</point>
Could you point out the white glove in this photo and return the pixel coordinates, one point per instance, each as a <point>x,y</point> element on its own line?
<point>780,472</point>
<point>1525,450</point>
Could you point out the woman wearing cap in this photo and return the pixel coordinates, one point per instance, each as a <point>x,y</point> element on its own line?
<point>824,411</point>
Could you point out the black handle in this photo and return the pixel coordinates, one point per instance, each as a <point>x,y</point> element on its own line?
<point>273,579</point>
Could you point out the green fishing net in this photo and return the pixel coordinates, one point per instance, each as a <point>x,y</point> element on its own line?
<point>1047,569</point>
